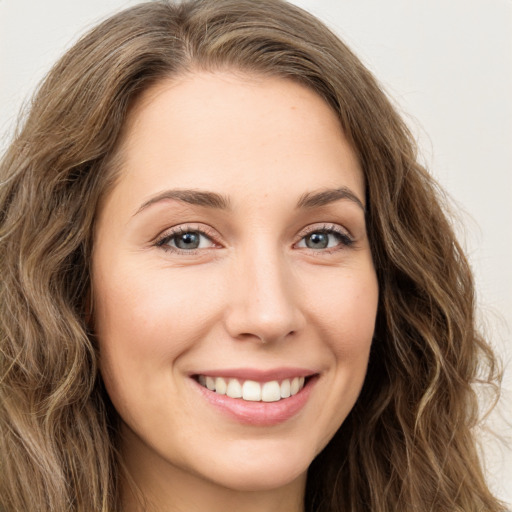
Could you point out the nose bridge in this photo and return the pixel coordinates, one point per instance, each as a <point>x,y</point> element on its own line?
<point>264,305</point>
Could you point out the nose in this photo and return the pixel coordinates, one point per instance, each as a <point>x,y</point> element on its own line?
<point>264,300</point>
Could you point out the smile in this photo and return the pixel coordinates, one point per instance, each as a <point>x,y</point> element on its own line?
<point>261,398</point>
<point>253,391</point>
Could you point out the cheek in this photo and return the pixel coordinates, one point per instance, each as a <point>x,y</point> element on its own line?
<point>349,316</point>
<point>144,322</point>
<point>151,310</point>
<point>347,309</point>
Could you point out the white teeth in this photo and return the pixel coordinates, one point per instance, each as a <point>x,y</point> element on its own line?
<point>271,391</point>
<point>253,391</point>
<point>220,386</point>
<point>210,383</point>
<point>234,390</point>
<point>285,388</point>
<point>294,387</point>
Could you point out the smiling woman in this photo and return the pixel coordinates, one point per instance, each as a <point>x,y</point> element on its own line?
<point>274,354</point>
<point>226,282</point>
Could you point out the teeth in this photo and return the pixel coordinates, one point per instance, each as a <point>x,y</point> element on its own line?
<point>253,391</point>
<point>271,391</point>
<point>210,383</point>
<point>220,386</point>
<point>234,390</point>
<point>285,389</point>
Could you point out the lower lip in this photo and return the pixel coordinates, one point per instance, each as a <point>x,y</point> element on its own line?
<point>261,414</point>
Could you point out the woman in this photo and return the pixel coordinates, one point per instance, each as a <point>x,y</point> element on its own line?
<point>227,283</point>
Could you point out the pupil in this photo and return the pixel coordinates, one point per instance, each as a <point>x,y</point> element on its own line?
<point>317,241</point>
<point>188,241</point>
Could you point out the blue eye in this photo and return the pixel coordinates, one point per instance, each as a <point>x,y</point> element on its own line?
<point>324,239</point>
<point>185,241</point>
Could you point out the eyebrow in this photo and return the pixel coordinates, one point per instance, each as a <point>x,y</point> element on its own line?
<point>327,196</point>
<point>195,197</point>
<point>220,202</point>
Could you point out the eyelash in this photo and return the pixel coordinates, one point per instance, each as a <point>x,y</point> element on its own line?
<point>345,240</point>
<point>181,230</point>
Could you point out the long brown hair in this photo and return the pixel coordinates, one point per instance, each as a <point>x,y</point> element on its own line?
<point>408,443</point>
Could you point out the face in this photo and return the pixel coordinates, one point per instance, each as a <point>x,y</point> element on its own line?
<point>235,293</point>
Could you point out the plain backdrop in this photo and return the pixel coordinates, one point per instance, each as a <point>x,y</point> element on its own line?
<point>447,64</point>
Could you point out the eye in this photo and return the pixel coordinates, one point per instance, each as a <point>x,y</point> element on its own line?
<point>325,238</point>
<point>185,240</point>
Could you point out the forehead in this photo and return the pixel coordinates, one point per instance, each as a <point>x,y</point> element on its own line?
<point>224,130</point>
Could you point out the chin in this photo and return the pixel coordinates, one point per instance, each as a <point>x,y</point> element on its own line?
<point>261,479</point>
<point>260,468</point>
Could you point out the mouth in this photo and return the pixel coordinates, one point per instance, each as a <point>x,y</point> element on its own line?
<point>260,399</point>
<point>251,390</point>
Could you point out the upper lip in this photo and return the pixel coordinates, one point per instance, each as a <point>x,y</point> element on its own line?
<point>258,375</point>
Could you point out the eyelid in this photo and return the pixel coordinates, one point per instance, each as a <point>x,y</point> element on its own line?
<point>347,239</point>
<point>160,240</point>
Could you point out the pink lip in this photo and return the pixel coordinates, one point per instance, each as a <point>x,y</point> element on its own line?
<point>261,414</point>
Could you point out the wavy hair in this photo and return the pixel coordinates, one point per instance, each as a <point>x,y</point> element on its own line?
<point>408,444</point>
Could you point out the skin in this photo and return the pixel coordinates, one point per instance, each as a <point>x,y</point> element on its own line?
<point>253,294</point>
